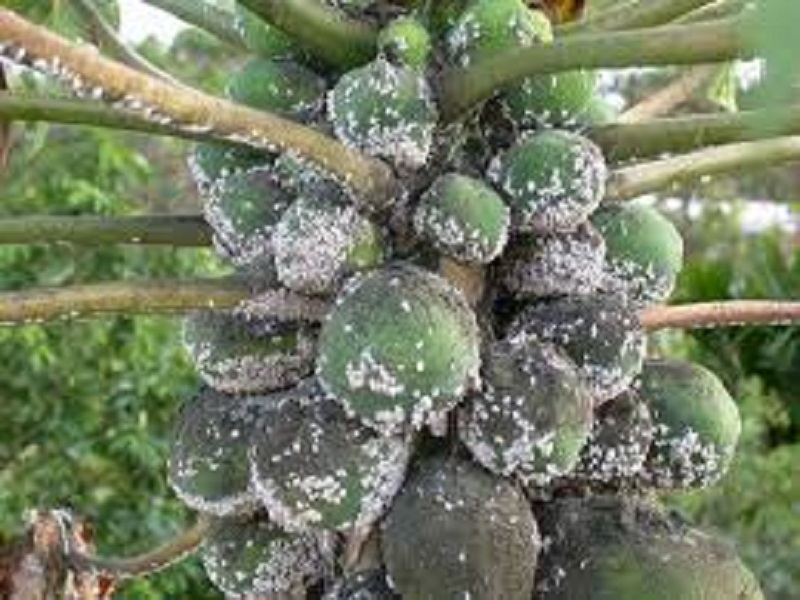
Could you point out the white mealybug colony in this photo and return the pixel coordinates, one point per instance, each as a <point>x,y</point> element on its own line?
<point>466,390</point>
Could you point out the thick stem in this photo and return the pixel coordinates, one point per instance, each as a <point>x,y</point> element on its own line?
<point>630,182</point>
<point>463,88</point>
<point>666,99</point>
<point>110,40</point>
<point>156,296</point>
<point>327,32</point>
<point>188,109</point>
<point>731,313</point>
<point>167,230</point>
<point>642,140</point>
<point>172,552</point>
<point>203,15</point>
<point>636,14</point>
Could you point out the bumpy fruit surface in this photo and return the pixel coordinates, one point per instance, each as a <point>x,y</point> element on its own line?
<point>237,354</point>
<point>697,424</point>
<point>556,100</point>
<point>552,180</point>
<point>533,416</point>
<point>384,110</point>
<point>616,548</point>
<point>243,211</point>
<point>455,531</point>
<point>283,87</point>
<point>250,556</point>
<point>560,264</point>
<point>318,242</point>
<point>315,468</point>
<point>645,251</point>
<point>600,333</point>
<point>487,27</point>
<point>401,345</point>
<point>208,457</point>
<point>464,218</point>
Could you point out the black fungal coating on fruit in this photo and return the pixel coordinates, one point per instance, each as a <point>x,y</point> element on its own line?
<point>243,211</point>
<point>601,333</point>
<point>645,251</point>
<point>237,353</point>
<point>533,416</point>
<point>385,110</point>
<point>620,441</point>
<point>366,585</point>
<point>463,218</point>
<point>626,548</point>
<point>401,347</point>
<point>456,531</point>
<point>558,264</point>
<point>251,556</point>
<point>697,424</point>
<point>318,242</point>
<point>552,180</point>
<point>208,455</point>
<point>312,467</point>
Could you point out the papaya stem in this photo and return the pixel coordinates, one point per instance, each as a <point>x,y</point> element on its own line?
<point>203,15</point>
<point>163,103</point>
<point>462,88</point>
<point>155,296</point>
<point>327,32</point>
<point>167,230</point>
<point>731,313</point>
<point>629,182</point>
<point>172,552</point>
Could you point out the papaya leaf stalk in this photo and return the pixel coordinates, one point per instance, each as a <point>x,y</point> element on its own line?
<point>720,41</point>
<point>733,313</point>
<point>636,180</point>
<point>167,230</point>
<point>90,74</point>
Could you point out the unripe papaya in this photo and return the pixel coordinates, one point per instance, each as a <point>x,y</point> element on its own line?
<point>533,416</point>
<point>463,218</point>
<point>456,531</point>
<point>248,557</point>
<point>552,180</point>
<point>313,467</point>
<point>400,347</point>
<point>697,424</point>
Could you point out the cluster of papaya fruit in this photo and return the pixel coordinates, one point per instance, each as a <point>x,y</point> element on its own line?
<point>501,445</point>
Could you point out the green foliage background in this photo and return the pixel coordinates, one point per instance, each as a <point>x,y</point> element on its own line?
<point>86,406</point>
